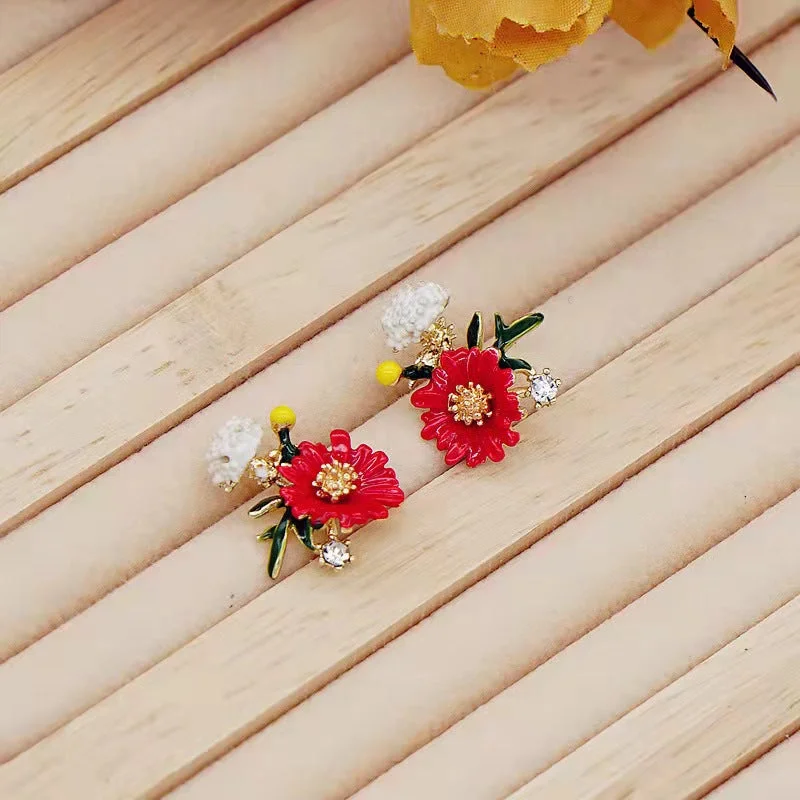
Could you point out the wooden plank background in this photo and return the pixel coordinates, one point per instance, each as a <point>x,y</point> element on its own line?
<point>150,290</point>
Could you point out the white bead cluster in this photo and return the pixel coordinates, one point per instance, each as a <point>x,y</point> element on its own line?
<point>413,309</point>
<point>231,449</point>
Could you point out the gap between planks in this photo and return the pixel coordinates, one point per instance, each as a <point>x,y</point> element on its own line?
<point>645,275</point>
<point>114,62</point>
<point>673,745</point>
<point>213,337</point>
<point>562,587</point>
<point>153,732</point>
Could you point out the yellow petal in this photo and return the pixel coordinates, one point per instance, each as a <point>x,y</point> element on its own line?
<point>530,48</point>
<point>472,64</point>
<point>652,22</point>
<point>480,19</point>
<point>721,18</point>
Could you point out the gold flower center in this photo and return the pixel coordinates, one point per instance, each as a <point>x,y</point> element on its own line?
<point>335,480</point>
<point>469,404</point>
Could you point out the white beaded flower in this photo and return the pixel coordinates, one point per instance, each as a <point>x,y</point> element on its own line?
<point>413,309</point>
<point>232,447</point>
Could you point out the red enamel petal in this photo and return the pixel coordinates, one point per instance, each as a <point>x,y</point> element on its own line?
<point>340,445</point>
<point>430,396</point>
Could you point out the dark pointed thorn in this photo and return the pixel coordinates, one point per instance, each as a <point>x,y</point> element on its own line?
<point>739,59</point>
<point>752,71</point>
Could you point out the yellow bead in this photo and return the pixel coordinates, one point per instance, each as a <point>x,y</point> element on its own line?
<point>388,373</point>
<point>282,417</point>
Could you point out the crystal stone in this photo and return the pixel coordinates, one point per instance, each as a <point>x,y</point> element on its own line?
<point>335,553</point>
<point>544,389</point>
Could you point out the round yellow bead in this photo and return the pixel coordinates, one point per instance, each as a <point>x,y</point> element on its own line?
<point>388,373</point>
<point>282,417</point>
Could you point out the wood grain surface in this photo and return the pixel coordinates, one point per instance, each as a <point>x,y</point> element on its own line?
<point>559,705</point>
<point>203,209</point>
<point>114,62</point>
<point>645,273</point>
<point>304,635</point>
<point>774,775</point>
<point>704,727</point>
<point>216,335</point>
<point>164,257</point>
<point>29,25</point>
<point>104,548</point>
<point>612,553</point>
<point>36,343</point>
<point>240,102</point>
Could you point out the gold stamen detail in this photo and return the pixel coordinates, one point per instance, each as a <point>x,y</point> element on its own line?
<point>335,480</point>
<point>469,404</point>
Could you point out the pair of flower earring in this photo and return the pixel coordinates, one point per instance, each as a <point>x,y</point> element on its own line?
<point>472,401</point>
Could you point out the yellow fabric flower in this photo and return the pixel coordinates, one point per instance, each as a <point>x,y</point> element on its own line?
<point>479,42</point>
<point>652,22</point>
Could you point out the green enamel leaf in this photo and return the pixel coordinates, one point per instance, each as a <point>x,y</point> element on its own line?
<point>475,331</point>
<point>267,535</point>
<point>278,549</point>
<point>506,335</point>
<point>264,506</point>
<point>513,363</point>
<point>305,532</point>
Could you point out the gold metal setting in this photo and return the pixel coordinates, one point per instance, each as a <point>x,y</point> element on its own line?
<point>470,403</point>
<point>335,553</point>
<point>264,469</point>
<point>541,387</point>
<point>336,480</point>
<point>439,336</point>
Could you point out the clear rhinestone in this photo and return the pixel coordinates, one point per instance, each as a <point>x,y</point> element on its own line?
<point>544,389</point>
<point>335,553</point>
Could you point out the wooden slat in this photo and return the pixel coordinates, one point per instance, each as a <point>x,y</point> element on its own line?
<point>39,595</point>
<point>227,111</point>
<point>114,62</point>
<point>305,168</point>
<point>646,276</point>
<point>556,707</point>
<point>563,586</point>
<point>198,347</point>
<point>698,731</point>
<point>310,628</point>
<point>775,775</point>
<point>29,25</point>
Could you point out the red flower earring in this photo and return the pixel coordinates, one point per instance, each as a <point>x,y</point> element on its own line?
<point>471,398</point>
<point>330,488</point>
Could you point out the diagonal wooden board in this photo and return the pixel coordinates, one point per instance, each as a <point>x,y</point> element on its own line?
<point>114,62</point>
<point>275,651</point>
<point>198,347</point>
<point>697,732</point>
